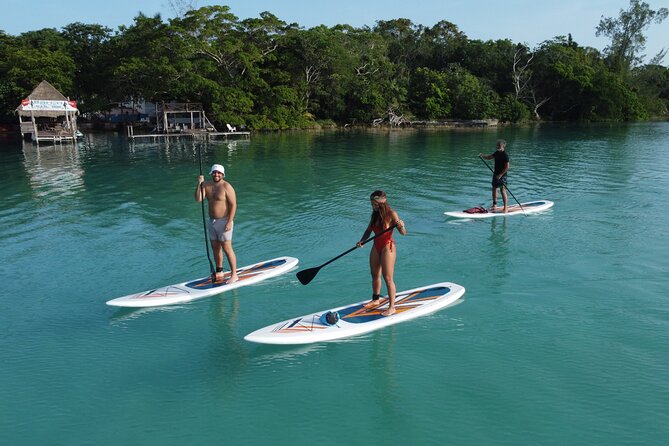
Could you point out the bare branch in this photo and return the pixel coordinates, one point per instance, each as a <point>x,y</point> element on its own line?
<point>362,71</point>
<point>181,7</point>
<point>521,74</point>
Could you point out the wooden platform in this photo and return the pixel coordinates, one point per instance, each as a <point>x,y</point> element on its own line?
<point>54,137</point>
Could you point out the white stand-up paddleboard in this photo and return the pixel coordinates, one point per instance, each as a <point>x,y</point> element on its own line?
<point>530,207</point>
<point>355,319</point>
<point>197,289</point>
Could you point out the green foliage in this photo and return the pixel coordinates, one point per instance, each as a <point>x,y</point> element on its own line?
<point>231,105</point>
<point>29,59</point>
<point>470,98</point>
<point>439,46</point>
<point>87,46</point>
<point>282,105</point>
<point>491,61</point>
<point>430,94</point>
<point>454,93</point>
<point>565,72</point>
<point>150,63</point>
<point>265,74</point>
<point>513,110</point>
<point>652,84</point>
<point>612,100</point>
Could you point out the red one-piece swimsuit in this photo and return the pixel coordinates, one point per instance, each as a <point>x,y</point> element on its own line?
<point>382,240</point>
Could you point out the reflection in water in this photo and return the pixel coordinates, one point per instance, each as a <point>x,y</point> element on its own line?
<point>172,149</point>
<point>499,245</point>
<point>265,355</point>
<point>228,354</point>
<point>498,235</point>
<point>235,145</point>
<point>54,171</point>
<point>122,316</point>
<point>383,379</point>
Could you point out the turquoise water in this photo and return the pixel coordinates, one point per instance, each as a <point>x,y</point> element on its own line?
<point>561,337</point>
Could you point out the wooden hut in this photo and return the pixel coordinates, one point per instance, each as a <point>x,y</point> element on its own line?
<point>174,117</point>
<point>48,116</point>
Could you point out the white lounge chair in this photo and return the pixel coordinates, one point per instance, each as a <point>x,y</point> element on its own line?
<point>231,128</point>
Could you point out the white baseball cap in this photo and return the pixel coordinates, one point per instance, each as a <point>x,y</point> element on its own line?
<point>217,168</point>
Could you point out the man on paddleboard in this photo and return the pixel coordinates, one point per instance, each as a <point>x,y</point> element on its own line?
<point>222,202</point>
<point>499,175</point>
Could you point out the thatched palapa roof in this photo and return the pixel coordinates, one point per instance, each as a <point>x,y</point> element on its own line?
<point>45,100</point>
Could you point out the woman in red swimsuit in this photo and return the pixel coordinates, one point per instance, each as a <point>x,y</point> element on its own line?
<point>382,256</point>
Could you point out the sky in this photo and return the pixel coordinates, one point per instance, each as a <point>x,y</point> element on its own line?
<point>523,21</point>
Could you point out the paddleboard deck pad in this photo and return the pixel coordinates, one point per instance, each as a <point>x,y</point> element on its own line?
<point>529,208</point>
<point>357,319</point>
<point>200,288</point>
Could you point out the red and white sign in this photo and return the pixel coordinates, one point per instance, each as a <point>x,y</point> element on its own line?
<point>46,105</point>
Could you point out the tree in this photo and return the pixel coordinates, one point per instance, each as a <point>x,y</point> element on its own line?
<point>33,57</point>
<point>626,34</point>
<point>581,85</point>
<point>524,90</point>
<point>512,110</point>
<point>563,72</point>
<point>311,57</point>
<point>492,62</point>
<point>229,55</point>
<point>362,80</point>
<point>652,84</point>
<point>8,101</point>
<point>150,63</point>
<point>470,97</point>
<point>401,37</point>
<point>430,94</point>
<point>439,46</point>
<point>87,45</point>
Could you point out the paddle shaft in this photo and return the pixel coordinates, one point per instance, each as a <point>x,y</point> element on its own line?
<point>514,197</point>
<point>204,221</point>
<point>356,247</point>
<point>307,275</point>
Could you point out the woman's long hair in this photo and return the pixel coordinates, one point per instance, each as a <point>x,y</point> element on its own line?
<point>383,217</point>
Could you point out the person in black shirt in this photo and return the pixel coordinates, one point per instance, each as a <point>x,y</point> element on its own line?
<point>499,176</point>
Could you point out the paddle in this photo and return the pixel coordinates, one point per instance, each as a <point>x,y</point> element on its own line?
<point>204,222</point>
<point>514,197</point>
<point>307,275</point>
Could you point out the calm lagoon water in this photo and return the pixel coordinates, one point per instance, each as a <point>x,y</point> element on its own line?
<point>561,337</point>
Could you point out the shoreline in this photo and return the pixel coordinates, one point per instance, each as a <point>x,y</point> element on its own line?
<point>9,132</point>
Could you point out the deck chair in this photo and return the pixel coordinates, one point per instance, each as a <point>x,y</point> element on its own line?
<point>231,128</point>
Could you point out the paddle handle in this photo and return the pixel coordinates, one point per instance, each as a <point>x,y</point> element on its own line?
<point>356,247</point>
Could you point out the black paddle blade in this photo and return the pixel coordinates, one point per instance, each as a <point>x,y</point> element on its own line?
<point>307,275</point>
